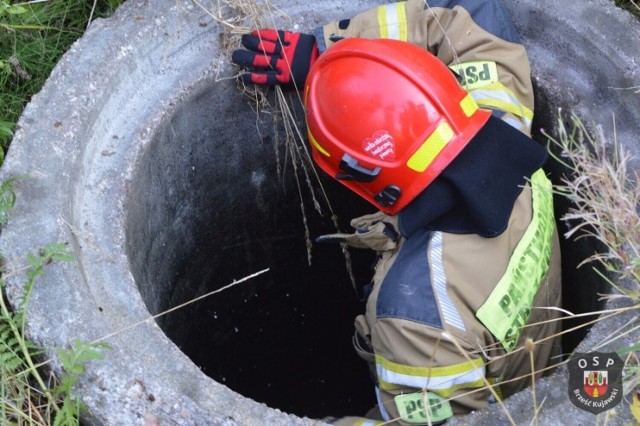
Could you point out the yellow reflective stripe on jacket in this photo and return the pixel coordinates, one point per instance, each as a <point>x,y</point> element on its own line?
<point>367,422</point>
<point>392,19</point>
<point>508,307</point>
<point>495,384</point>
<point>497,95</point>
<point>441,380</point>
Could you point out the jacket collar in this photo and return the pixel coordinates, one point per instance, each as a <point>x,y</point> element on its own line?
<point>476,192</point>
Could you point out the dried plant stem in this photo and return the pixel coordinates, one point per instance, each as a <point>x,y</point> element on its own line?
<point>242,16</point>
<point>605,197</point>
<point>488,385</point>
<point>531,347</point>
<point>182,305</point>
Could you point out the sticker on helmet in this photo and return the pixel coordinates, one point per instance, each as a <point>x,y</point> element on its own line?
<point>380,145</point>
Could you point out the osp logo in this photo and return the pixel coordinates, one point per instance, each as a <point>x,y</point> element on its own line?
<point>595,381</point>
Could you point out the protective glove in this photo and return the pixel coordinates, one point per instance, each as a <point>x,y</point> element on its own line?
<point>377,231</point>
<point>276,57</point>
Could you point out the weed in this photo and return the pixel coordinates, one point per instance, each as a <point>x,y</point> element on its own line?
<point>605,197</point>
<point>73,361</point>
<point>241,16</point>
<point>632,6</point>
<point>27,396</point>
<point>33,37</point>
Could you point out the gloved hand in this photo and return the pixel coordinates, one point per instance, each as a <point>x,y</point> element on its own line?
<point>377,231</point>
<point>276,57</point>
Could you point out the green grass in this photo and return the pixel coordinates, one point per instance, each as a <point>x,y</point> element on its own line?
<point>33,37</point>
<point>29,395</point>
<point>632,6</point>
<point>605,199</point>
<point>35,34</point>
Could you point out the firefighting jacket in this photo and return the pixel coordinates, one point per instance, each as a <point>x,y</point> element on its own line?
<point>458,307</point>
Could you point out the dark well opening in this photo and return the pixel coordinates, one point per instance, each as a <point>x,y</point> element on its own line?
<point>213,201</point>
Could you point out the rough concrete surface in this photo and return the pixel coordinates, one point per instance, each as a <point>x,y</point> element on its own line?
<point>93,130</point>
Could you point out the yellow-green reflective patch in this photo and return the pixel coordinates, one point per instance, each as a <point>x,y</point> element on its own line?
<point>468,105</point>
<point>411,407</point>
<point>476,74</point>
<point>368,422</point>
<point>508,307</point>
<point>430,149</point>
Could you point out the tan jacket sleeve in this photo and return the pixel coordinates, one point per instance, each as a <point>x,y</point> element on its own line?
<point>459,360</point>
<point>488,53</point>
<point>410,357</point>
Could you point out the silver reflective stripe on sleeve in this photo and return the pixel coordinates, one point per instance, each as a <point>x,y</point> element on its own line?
<point>450,314</point>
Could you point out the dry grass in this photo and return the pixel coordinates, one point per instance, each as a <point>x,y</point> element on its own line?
<point>237,17</point>
<point>605,199</point>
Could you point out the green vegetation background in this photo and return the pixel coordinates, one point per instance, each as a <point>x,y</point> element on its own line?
<point>33,37</point>
<point>35,34</point>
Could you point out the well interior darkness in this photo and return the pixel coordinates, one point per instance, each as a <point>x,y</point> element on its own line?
<point>207,206</point>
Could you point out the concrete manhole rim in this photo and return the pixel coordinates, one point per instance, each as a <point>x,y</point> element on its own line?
<point>72,119</point>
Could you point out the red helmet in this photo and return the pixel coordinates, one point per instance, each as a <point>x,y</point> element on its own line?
<point>385,117</point>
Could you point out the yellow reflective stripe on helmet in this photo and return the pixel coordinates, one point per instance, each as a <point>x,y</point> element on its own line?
<point>392,19</point>
<point>441,380</point>
<point>497,95</point>
<point>424,156</point>
<point>319,147</point>
<point>468,105</point>
<point>508,307</point>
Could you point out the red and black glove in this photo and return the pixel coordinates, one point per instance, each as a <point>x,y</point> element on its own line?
<point>276,57</point>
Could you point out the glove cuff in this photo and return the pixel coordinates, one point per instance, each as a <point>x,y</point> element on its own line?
<point>305,55</point>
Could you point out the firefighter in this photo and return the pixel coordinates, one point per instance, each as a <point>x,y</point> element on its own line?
<point>424,109</point>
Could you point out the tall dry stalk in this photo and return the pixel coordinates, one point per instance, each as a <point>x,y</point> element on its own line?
<point>605,198</point>
<point>238,17</point>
